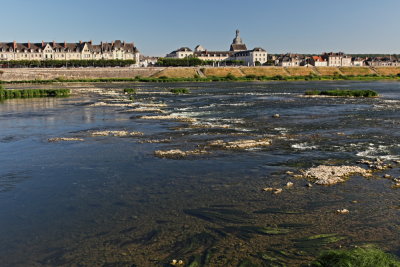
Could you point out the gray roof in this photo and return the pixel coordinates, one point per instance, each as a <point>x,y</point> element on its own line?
<point>69,47</point>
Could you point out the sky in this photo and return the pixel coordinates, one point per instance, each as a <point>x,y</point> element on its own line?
<point>158,27</point>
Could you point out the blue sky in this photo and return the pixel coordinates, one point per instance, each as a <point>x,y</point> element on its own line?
<point>160,26</point>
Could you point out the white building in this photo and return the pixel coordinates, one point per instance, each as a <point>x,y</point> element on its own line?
<point>68,51</point>
<point>337,59</point>
<point>318,61</point>
<point>237,51</point>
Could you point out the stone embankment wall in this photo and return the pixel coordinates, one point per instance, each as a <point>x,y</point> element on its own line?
<point>187,72</point>
<point>74,73</point>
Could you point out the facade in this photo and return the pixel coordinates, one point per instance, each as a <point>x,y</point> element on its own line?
<point>358,62</point>
<point>238,51</point>
<point>68,51</point>
<point>289,60</point>
<point>318,61</point>
<point>383,62</point>
<point>337,59</point>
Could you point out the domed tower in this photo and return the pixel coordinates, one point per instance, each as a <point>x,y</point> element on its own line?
<point>237,44</point>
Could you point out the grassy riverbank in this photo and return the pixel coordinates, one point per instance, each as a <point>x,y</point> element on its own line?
<point>206,74</point>
<point>29,93</point>
<point>227,78</point>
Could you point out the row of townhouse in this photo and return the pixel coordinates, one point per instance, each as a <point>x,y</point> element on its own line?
<point>333,60</point>
<point>68,51</point>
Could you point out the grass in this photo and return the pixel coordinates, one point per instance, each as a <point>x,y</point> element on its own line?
<point>29,93</point>
<point>299,71</point>
<point>177,73</point>
<point>387,71</point>
<point>222,72</point>
<point>264,71</point>
<point>357,257</point>
<point>179,91</point>
<point>344,93</point>
<point>357,71</point>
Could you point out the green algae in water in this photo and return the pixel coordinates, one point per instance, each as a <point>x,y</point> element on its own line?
<point>359,257</point>
<point>316,242</point>
<point>247,263</point>
<point>219,215</point>
<point>247,232</point>
<point>278,211</point>
<point>195,244</point>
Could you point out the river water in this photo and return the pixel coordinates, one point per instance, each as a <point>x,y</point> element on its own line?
<point>109,201</point>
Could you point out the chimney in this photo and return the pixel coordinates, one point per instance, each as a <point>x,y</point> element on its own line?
<point>65,44</point>
<point>80,41</point>
<point>124,43</point>
<point>29,45</point>
<point>112,44</point>
<point>42,44</point>
<point>54,43</point>
<point>15,45</point>
<point>90,42</point>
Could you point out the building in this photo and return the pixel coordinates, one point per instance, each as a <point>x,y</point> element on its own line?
<point>68,51</point>
<point>289,60</point>
<point>318,61</point>
<point>390,61</point>
<point>358,61</point>
<point>337,59</point>
<point>181,53</point>
<point>238,51</point>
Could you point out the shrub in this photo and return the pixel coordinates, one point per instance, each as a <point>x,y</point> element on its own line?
<point>180,91</point>
<point>24,93</point>
<point>358,257</point>
<point>353,93</point>
<point>130,90</point>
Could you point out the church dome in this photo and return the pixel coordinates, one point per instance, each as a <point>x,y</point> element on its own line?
<point>237,39</point>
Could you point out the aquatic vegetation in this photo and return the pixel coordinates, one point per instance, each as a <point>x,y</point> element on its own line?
<point>130,90</point>
<point>278,211</point>
<point>246,231</point>
<point>179,91</point>
<point>115,133</point>
<point>357,257</point>
<point>343,93</point>
<point>199,244</point>
<point>240,144</point>
<point>329,175</point>
<point>30,93</point>
<point>177,153</point>
<point>59,139</point>
<point>219,215</point>
<point>313,243</point>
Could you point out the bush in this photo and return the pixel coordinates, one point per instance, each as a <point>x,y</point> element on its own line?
<point>25,93</point>
<point>180,91</point>
<point>358,257</point>
<point>353,93</point>
<point>130,90</point>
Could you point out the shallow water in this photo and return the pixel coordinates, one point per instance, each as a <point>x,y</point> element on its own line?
<point>108,201</point>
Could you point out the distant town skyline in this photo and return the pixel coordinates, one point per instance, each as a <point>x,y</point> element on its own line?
<point>158,27</point>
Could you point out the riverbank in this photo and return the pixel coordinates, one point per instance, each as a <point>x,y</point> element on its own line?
<point>196,74</point>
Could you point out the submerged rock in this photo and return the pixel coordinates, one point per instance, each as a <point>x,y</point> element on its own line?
<point>116,133</point>
<point>59,139</point>
<point>329,175</point>
<point>177,153</point>
<point>240,144</point>
<point>343,211</point>
<point>169,117</point>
